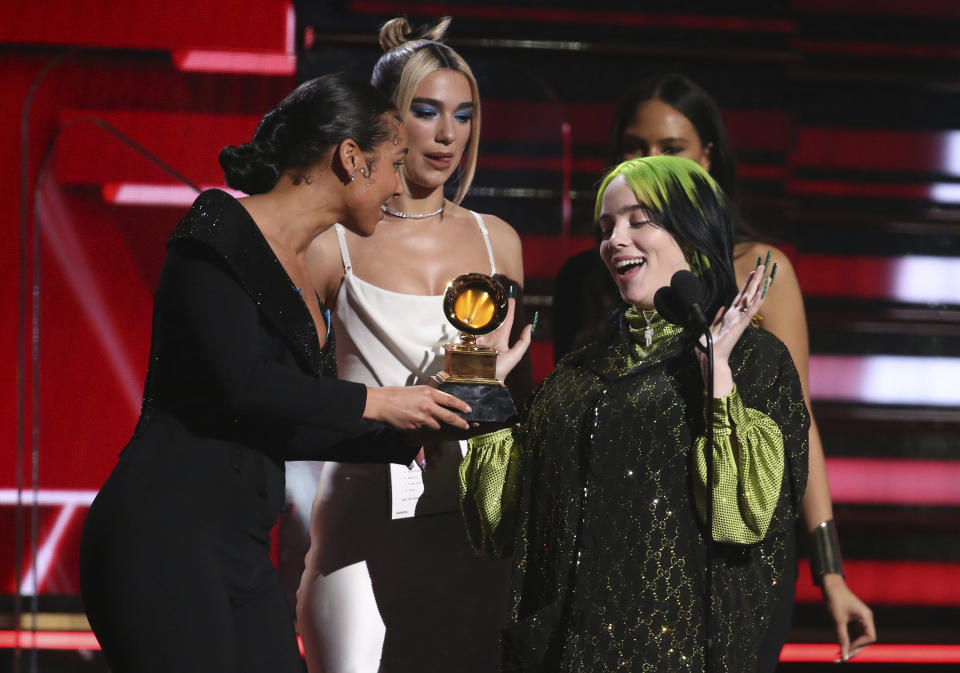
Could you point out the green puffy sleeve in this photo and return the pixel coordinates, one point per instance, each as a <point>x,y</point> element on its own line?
<point>748,455</point>
<point>489,491</point>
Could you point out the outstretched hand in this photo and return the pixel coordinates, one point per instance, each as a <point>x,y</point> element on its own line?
<point>500,339</point>
<point>729,324</point>
<point>414,408</point>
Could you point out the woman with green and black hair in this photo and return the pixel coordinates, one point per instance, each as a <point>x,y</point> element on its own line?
<point>599,493</point>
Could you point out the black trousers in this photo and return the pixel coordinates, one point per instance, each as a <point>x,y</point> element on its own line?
<point>168,587</point>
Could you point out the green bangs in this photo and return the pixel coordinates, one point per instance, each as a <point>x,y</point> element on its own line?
<point>657,180</point>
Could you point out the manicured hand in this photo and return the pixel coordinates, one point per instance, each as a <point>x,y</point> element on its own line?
<point>851,616</point>
<point>729,324</point>
<point>500,339</point>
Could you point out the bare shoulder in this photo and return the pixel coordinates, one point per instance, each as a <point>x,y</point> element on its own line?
<point>782,313</point>
<point>745,257</point>
<point>325,264</point>
<point>500,229</point>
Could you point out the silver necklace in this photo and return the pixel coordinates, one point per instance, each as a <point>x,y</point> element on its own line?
<point>648,330</point>
<point>410,216</point>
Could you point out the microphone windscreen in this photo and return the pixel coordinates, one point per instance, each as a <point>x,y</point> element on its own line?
<point>665,301</point>
<point>687,288</point>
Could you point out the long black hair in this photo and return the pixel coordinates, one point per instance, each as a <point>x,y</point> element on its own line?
<point>315,118</point>
<point>687,97</point>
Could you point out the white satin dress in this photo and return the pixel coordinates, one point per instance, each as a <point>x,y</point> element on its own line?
<point>390,582</point>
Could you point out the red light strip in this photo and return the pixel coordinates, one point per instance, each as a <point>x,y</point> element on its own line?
<point>203,60</point>
<point>60,640</point>
<point>132,193</point>
<point>792,652</point>
<point>921,51</point>
<point>875,654</point>
<point>49,640</point>
<point>917,583</point>
<point>943,192</point>
<point>253,63</point>
<point>935,8</point>
<point>888,481</point>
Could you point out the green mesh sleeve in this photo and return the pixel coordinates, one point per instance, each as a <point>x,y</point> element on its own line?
<point>748,454</point>
<point>489,490</point>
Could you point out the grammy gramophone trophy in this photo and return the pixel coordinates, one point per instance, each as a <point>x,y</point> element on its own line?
<point>475,304</point>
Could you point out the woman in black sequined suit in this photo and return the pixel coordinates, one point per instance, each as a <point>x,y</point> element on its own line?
<point>174,561</point>
<point>600,493</point>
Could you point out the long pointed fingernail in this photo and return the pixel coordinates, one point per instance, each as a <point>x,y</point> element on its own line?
<point>533,323</point>
<point>773,271</point>
<point>759,259</point>
<point>512,291</point>
<point>766,286</point>
<point>766,262</point>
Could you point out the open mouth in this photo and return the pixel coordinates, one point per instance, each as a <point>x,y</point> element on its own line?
<point>627,267</point>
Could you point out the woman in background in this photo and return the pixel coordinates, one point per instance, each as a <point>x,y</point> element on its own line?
<point>391,583</point>
<point>671,115</point>
<point>174,562</point>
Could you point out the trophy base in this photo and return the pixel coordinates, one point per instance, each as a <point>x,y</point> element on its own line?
<point>490,403</point>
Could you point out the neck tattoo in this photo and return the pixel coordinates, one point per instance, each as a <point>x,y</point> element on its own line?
<point>411,216</point>
<point>648,330</point>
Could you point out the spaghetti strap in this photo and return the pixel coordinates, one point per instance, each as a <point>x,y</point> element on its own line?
<point>344,253</point>
<point>486,240</point>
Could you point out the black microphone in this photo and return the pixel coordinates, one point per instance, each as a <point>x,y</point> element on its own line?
<point>668,306</point>
<point>680,302</point>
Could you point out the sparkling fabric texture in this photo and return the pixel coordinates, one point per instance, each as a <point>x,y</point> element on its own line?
<point>236,238</point>
<point>598,506</point>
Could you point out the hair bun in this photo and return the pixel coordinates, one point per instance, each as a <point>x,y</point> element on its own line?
<point>249,168</point>
<point>398,31</point>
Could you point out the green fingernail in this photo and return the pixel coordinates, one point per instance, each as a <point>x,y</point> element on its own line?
<point>766,286</point>
<point>759,259</point>
<point>773,271</point>
<point>533,324</point>
<point>766,262</point>
<point>512,291</point>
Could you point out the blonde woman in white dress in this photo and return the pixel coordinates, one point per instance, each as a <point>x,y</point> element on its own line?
<point>390,582</point>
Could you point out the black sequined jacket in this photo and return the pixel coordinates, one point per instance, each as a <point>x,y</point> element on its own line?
<point>609,552</point>
<point>237,382</point>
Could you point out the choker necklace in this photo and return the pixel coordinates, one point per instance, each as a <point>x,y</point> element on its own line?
<point>410,216</point>
<point>648,331</point>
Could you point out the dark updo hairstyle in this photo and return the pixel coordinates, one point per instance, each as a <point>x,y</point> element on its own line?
<point>315,118</point>
<point>686,96</point>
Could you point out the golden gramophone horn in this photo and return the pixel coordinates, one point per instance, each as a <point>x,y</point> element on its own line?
<point>475,303</point>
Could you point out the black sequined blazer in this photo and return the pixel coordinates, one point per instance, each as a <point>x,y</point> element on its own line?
<point>236,385</point>
<point>609,551</point>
